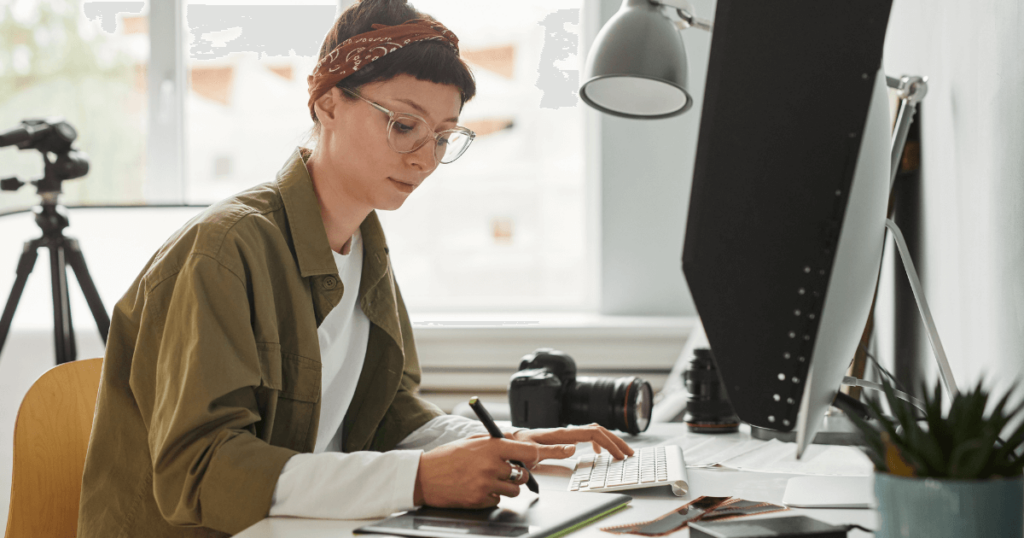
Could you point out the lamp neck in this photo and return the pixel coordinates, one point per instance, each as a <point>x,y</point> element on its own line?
<point>684,9</point>
<point>678,4</point>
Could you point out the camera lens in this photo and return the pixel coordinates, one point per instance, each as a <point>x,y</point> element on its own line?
<point>708,410</point>
<point>622,403</point>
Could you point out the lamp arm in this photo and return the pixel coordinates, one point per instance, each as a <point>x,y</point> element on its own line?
<point>689,20</point>
<point>686,13</point>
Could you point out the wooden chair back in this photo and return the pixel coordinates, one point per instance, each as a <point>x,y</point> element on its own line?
<point>51,435</point>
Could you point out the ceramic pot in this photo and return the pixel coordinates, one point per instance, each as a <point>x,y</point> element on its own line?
<point>932,508</point>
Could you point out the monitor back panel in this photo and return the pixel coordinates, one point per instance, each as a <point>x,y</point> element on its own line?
<point>788,90</point>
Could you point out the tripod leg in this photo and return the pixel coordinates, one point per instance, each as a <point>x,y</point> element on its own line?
<point>25,264</point>
<point>62,343</point>
<point>67,301</point>
<point>73,252</point>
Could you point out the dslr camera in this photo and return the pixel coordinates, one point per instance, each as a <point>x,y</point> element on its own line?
<point>545,393</point>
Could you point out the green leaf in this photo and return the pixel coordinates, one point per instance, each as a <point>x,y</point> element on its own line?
<point>968,459</point>
<point>875,449</point>
<point>932,454</point>
<point>899,408</point>
<point>1005,452</point>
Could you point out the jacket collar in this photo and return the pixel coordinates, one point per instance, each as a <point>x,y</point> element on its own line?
<point>312,250</point>
<point>377,288</point>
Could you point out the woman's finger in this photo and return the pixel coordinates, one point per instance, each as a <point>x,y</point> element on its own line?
<point>604,438</point>
<point>619,442</point>
<point>506,488</point>
<point>531,453</point>
<point>490,501</point>
<point>614,443</point>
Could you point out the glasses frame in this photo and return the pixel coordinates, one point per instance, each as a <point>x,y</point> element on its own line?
<point>437,136</point>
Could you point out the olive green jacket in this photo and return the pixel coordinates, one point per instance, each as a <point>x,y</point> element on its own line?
<point>211,377</point>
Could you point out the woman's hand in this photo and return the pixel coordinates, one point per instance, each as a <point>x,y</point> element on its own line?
<point>597,435</point>
<point>474,472</point>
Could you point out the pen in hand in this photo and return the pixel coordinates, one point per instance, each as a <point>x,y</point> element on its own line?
<point>492,428</point>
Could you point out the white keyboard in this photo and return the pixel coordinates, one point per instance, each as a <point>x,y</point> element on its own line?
<point>647,467</point>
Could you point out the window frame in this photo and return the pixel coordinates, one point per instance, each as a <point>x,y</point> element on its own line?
<point>167,84</point>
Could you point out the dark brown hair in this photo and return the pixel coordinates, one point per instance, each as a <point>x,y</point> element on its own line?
<point>431,61</point>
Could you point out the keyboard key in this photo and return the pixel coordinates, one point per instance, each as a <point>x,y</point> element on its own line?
<point>648,466</point>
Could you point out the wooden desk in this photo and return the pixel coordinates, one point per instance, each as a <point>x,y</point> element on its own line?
<point>647,503</point>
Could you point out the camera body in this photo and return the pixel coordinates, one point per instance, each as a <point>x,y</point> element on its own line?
<point>546,393</point>
<point>535,391</point>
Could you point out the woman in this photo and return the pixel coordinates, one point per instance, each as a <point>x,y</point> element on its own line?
<point>263,361</point>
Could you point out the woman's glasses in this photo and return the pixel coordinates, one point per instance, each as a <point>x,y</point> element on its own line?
<point>408,132</point>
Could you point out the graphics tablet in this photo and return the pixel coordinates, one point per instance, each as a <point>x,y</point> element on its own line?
<point>552,514</point>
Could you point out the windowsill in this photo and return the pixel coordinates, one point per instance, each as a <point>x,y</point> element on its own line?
<point>596,342</point>
<point>547,321</point>
<point>466,354</point>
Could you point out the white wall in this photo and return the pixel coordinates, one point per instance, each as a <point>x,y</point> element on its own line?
<point>646,167</point>
<point>972,254</point>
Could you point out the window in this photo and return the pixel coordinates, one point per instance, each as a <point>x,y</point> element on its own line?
<point>502,228</point>
<point>84,61</point>
<point>245,110</point>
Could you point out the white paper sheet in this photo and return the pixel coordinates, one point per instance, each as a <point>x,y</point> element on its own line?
<point>713,450</point>
<point>820,460</point>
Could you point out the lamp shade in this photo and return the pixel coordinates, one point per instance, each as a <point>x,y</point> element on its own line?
<point>637,65</point>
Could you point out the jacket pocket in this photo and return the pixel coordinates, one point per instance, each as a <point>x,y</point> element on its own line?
<point>294,376</point>
<point>289,396</point>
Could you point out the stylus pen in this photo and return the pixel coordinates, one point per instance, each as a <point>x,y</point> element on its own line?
<point>485,417</point>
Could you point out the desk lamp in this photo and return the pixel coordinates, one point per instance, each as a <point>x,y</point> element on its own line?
<point>637,65</point>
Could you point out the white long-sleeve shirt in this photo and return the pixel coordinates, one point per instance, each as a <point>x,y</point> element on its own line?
<point>329,484</point>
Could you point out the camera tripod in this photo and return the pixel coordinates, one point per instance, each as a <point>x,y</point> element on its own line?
<point>64,251</point>
<point>52,137</point>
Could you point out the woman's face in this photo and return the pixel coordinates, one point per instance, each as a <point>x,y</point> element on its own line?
<point>355,139</point>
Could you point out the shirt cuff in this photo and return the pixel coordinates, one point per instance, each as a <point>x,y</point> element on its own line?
<point>332,485</point>
<point>407,469</point>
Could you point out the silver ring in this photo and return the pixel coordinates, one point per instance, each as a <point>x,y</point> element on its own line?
<point>515,475</point>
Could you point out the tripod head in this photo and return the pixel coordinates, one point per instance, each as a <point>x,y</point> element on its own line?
<point>52,137</point>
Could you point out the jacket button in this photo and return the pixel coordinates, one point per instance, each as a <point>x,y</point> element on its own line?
<point>330,282</point>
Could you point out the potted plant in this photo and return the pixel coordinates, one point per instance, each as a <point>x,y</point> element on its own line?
<point>946,475</point>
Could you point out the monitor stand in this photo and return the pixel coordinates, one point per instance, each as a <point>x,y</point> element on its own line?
<point>945,372</point>
<point>836,429</point>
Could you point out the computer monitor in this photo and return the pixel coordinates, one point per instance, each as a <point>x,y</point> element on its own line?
<point>788,204</point>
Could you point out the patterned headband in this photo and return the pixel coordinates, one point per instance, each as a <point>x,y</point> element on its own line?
<point>358,51</point>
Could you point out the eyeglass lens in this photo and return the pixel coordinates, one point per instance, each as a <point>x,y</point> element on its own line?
<point>408,134</point>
